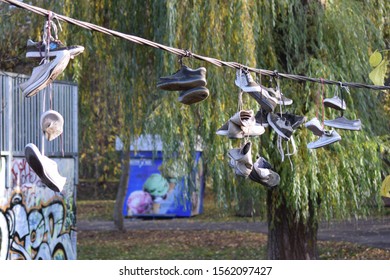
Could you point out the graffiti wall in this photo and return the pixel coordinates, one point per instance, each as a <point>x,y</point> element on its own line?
<point>36,222</point>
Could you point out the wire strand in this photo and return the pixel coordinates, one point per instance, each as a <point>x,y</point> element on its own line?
<point>185,53</point>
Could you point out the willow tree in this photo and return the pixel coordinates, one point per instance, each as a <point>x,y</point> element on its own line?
<point>118,96</point>
<point>329,40</point>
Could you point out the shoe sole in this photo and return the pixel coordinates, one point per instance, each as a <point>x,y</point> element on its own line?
<point>182,85</point>
<point>249,89</point>
<point>50,76</point>
<point>193,96</point>
<point>316,131</point>
<point>324,143</point>
<point>34,159</point>
<point>280,133</point>
<point>334,106</point>
<point>342,126</point>
<point>263,101</point>
<point>72,51</point>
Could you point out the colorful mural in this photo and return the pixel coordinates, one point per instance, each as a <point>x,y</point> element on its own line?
<point>35,222</point>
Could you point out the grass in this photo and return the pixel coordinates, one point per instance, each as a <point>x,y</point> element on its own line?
<point>192,245</point>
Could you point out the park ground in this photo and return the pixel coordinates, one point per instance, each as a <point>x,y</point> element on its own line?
<point>215,236</point>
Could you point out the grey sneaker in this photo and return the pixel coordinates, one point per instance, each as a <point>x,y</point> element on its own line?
<point>263,174</point>
<point>184,79</point>
<point>327,138</point>
<point>241,159</point>
<point>245,81</point>
<point>281,125</point>
<point>52,124</point>
<point>279,96</point>
<point>344,123</point>
<point>315,126</point>
<point>45,168</point>
<point>335,102</point>
<point>45,74</point>
<point>267,102</point>
<point>193,95</point>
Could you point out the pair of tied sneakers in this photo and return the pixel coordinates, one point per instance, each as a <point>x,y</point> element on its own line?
<point>45,168</point>
<point>246,83</point>
<point>242,124</point>
<point>44,74</point>
<point>326,137</point>
<point>260,172</point>
<point>340,122</point>
<point>191,82</point>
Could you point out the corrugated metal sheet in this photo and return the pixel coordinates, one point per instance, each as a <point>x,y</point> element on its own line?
<point>20,116</point>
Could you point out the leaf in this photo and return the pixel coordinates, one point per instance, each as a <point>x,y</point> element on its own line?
<point>377,76</point>
<point>375,59</point>
<point>385,190</point>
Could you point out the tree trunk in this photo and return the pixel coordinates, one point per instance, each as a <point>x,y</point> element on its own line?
<point>289,238</point>
<point>122,189</point>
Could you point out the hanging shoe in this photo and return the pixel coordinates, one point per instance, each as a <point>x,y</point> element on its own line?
<point>245,82</point>
<point>238,132</point>
<point>327,138</point>
<point>315,126</point>
<point>45,74</point>
<point>281,125</point>
<point>37,49</point>
<point>335,102</point>
<point>184,79</point>
<point>261,118</point>
<point>45,168</point>
<point>262,173</point>
<point>294,120</point>
<point>266,102</point>
<point>242,124</point>
<point>344,123</point>
<point>243,118</point>
<point>193,95</point>
<point>52,124</point>
<point>280,97</point>
<point>241,159</point>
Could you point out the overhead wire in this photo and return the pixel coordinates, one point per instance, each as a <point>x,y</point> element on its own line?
<point>187,53</point>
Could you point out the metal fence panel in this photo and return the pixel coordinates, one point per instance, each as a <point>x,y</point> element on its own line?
<point>25,113</point>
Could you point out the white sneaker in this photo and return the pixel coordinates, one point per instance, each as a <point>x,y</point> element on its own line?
<point>44,74</point>
<point>327,138</point>
<point>245,81</point>
<point>335,102</point>
<point>344,123</point>
<point>315,126</point>
<point>52,124</point>
<point>45,168</point>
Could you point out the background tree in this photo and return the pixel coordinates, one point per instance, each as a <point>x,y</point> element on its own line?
<point>118,96</point>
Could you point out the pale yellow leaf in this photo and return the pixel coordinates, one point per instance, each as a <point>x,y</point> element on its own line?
<point>377,76</point>
<point>375,59</point>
